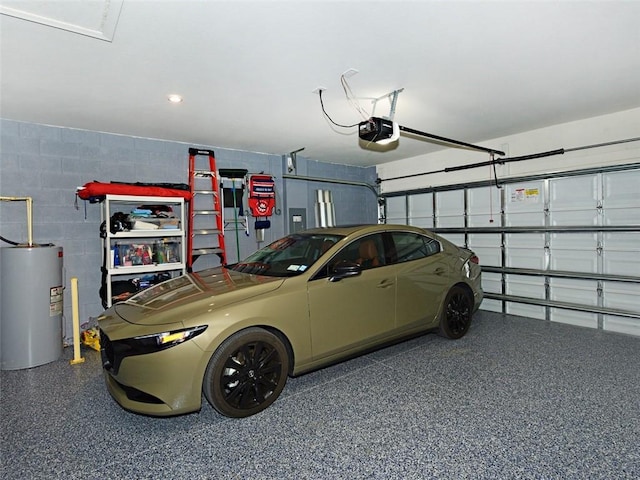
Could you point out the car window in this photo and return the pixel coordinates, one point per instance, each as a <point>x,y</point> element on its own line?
<point>368,252</point>
<point>412,246</point>
<point>287,256</point>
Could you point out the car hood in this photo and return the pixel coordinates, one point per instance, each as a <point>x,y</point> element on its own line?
<point>183,297</point>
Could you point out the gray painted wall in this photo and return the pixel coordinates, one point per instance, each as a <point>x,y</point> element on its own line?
<point>48,163</point>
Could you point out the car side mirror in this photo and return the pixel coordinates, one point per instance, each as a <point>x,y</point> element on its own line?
<point>344,270</point>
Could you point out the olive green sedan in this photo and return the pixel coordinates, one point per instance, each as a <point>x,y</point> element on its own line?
<point>236,332</point>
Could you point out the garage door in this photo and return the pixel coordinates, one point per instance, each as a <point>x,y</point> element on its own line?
<point>565,248</point>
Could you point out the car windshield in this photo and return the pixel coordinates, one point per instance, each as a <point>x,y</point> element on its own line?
<point>288,256</point>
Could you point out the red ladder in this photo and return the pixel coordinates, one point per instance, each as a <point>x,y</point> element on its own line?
<point>206,202</point>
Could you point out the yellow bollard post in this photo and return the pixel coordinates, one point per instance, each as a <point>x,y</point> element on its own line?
<point>76,323</point>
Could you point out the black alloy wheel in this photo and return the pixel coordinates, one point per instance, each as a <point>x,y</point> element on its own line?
<point>246,373</point>
<point>456,314</point>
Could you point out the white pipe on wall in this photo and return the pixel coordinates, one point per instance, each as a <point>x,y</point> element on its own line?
<point>325,211</point>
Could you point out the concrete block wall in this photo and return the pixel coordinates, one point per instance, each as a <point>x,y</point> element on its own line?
<point>353,203</point>
<point>49,162</point>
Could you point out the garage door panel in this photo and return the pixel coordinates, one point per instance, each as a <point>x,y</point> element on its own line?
<point>529,287</point>
<point>526,258</point>
<point>396,210</point>
<point>573,193</point>
<point>625,297</point>
<point>525,310</point>
<point>488,256</point>
<point>630,326</point>
<point>621,198</point>
<point>450,202</point>
<point>620,189</point>
<point>621,216</point>
<point>621,263</point>
<point>621,254</point>
<point>525,286</point>
<point>486,220</point>
<point>450,221</point>
<point>490,305</point>
<point>580,319</point>
<point>574,218</point>
<point>524,197</point>
<point>524,205</point>
<point>487,248</point>
<point>574,241</point>
<point>622,241</point>
<point>422,222</point>
<point>485,240</point>
<point>492,282</point>
<point>574,252</point>
<point>574,261</point>
<point>421,210</point>
<point>455,238</point>
<point>484,202</point>
<point>527,219</point>
<point>622,295</point>
<point>525,250</point>
<point>524,240</point>
<point>574,201</point>
<point>584,292</point>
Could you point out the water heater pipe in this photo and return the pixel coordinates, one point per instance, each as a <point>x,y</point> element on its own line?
<point>29,201</point>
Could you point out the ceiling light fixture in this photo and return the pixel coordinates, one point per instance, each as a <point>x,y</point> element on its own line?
<point>175,98</point>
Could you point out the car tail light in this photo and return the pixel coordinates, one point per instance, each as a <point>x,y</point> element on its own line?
<point>474,259</point>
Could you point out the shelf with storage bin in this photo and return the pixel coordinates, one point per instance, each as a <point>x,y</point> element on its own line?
<point>159,246</point>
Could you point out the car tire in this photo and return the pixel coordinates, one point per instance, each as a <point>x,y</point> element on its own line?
<point>246,373</point>
<point>457,311</point>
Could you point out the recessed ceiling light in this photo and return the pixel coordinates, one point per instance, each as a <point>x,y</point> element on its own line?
<point>175,98</point>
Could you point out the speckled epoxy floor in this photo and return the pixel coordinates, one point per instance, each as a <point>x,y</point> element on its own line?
<point>515,398</point>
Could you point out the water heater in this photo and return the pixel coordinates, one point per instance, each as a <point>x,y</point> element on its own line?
<point>31,304</point>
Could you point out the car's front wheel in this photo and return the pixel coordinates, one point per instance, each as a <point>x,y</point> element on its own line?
<point>456,313</point>
<point>246,373</point>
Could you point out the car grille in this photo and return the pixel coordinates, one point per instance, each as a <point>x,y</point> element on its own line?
<point>114,352</point>
<point>106,351</point>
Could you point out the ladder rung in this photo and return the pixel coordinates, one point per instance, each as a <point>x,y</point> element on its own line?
<point>206,250</point>
<point>206,232</point>
<point>204,173</point>
<point>206,212</point>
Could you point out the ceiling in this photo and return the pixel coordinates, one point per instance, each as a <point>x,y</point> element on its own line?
<point>469,71</point>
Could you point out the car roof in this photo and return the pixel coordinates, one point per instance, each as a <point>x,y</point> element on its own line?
<point>362,229</point>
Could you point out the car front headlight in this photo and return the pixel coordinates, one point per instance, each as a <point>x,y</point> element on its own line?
<point>162,341</point>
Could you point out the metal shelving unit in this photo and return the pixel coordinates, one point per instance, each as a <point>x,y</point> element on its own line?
<point>146,239</point>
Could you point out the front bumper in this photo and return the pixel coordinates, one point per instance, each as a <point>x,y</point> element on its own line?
<point>163,383</point>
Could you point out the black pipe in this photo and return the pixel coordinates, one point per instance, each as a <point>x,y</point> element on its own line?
<point>498,161</point>
<point>10,242</point>
<point>559,151</point>
<point>449,140</point>
<point>505,160</point>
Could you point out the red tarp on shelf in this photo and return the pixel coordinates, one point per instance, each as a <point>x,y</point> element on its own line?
<point>91,190</point>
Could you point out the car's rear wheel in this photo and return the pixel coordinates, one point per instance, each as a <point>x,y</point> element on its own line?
<point>456,314</point>
<point>246,373</point>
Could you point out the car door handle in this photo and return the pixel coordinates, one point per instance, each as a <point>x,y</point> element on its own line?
<point>439,271</point>
<point>385,284</point>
